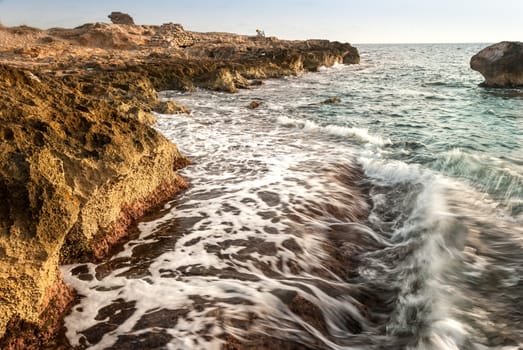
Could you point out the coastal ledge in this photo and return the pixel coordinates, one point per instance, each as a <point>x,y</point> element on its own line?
<point>76,169</point>
<point>79,158</point>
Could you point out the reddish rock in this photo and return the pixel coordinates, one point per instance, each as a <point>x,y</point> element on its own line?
<point>254,105</point>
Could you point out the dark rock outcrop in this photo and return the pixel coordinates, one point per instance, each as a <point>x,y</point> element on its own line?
<point>120,18</point>
<point>332,100</point>
<point>501,64</point>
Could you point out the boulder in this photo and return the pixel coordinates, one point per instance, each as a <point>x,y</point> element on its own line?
<point>253,105</point>
<point>120,18</point>
<point>501,64</point>
<point>172,35</point>
<point>171,107</point>
<point>332,100</point>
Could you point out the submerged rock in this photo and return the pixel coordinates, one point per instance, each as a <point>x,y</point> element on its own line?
<point>332,100</point>
<point>501,64</point>
<point>253,105</point>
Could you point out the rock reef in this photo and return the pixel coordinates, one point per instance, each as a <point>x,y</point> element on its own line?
<point>79,158</point>
<point>501,64</point>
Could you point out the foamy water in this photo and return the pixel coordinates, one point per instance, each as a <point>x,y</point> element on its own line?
<point>387,221</point>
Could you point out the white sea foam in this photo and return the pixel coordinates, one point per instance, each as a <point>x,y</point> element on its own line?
<point>335,67</point>
<point>250,229</point>
<point>391,171</point>
<point>360,134</point>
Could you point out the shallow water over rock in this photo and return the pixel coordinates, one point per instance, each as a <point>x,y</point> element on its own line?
<point>390,220</point>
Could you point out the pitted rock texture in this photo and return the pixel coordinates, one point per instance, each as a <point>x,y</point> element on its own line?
<point>77,166</point>
<point>172,35</point>
<point>501,64</point>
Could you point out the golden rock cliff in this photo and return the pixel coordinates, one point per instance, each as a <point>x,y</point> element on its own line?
<point>75,170</point>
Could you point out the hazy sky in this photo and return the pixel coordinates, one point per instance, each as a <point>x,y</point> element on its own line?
<point>355,21</point>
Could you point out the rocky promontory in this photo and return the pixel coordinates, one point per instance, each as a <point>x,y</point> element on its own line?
<point>501,64</point>
<point>80,160</point>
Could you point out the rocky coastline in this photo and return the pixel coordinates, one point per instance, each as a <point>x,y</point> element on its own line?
<point>80,159</point>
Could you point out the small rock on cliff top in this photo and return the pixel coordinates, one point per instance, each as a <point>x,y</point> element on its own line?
<point>120,18</point>
<point>501,64</point>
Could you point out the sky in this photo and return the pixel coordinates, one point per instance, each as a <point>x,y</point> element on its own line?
<point>354,21</point>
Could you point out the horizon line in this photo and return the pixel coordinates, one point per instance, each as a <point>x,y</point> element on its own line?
<point>423,43</point>
<point>283,38</point>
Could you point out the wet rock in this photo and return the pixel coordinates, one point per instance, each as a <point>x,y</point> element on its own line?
<point>171,107</point>
<point>163,318</point>
<point>500,64</point>
<point>154,339</point>
<point>332,100</point>
<point>253,105</point>
<point>302,308</point>
<point>172,35</point>
<point>120,18</point>
<point>23,334</point>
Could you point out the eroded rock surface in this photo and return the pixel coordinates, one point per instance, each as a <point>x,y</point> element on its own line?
<point>78,164</point>
<point>501,64</point>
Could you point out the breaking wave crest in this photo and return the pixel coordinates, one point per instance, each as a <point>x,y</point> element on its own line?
<point>360,134</point>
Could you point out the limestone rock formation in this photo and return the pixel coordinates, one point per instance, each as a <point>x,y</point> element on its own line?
<point>103,35</point>
<point>501,64</point>
<point>78,164</point>
<point>172,35</point>
<point>120,18</point>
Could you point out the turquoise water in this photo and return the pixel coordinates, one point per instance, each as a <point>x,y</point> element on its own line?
<point>425,98</point>
<point>396,216</point>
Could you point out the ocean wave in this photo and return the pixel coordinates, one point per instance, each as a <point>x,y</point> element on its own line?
<point>360,134</point>
<point>391,172</point>
<point>492,175</point>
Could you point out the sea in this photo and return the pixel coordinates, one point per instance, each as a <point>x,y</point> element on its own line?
<point>389,219</point>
